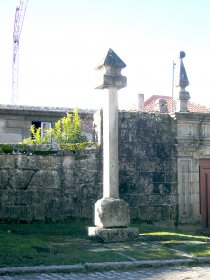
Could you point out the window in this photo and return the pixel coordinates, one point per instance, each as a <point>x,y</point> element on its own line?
<point>43,125</point>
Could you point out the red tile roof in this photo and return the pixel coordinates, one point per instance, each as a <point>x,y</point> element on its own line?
<point>150,104</point>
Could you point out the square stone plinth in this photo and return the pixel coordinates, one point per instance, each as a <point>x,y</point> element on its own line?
<point>114,234</point>
<point>112,213</point>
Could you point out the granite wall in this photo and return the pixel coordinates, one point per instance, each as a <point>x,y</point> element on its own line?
<point>49,187</point>
<point>148,165</point>
<point>59,187</point>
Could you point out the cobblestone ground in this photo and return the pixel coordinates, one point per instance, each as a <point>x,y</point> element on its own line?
<point>173,273</point>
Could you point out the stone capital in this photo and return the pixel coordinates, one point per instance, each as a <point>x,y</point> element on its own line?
<point>109,72</point>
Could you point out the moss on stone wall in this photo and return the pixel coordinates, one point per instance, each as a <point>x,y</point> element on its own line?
<point>45,149</point>
<point>66,183</point>
<point>148,165</point>
<point>41,188</point>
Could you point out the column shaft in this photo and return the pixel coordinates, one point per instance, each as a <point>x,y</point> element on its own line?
<point>110,145</point>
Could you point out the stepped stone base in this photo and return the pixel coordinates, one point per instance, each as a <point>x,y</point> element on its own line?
<point>114,234</point>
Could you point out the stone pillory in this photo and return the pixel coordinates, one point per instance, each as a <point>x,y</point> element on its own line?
<point>112,214</point>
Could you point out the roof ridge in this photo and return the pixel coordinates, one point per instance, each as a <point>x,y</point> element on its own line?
<point>149,104</point>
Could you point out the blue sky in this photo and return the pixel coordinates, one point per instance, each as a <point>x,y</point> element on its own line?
<point>62,42</point>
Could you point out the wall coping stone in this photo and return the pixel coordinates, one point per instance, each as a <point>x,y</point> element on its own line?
<point>37,110</point>
<point>192,116</point>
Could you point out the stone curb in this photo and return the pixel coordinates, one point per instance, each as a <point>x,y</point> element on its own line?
<point>41,268</point>
<point>101,266</point>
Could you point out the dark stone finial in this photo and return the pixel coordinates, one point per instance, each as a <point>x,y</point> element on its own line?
<point>183,79</point>
<point>183,82</point>
<point>182,54</point>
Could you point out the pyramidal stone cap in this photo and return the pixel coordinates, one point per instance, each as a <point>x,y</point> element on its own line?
<point>111,59</point>
<point>109,72</point>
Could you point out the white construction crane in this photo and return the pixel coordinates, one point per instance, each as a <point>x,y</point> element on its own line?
<point>18,24</point>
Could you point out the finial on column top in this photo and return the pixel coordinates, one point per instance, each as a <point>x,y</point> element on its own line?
<point>109,74</point>
<point>183,79</point>
<point>183,82</point>
<point>182,54</point>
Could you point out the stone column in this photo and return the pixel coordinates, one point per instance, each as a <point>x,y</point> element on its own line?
<point>112,214</point>
<point>183,82</point>
<point>110,148</point>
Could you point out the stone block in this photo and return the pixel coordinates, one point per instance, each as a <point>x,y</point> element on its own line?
<point>153,212</point>
<point>47,178</point>
<point>111,212</point>
<point>10,138</point>
<point>2,123</point>
<point>7,162</point>
<point>106,81</point>
<point>20,179</point>
<point>18,124</point>
<point>68,162</point>
<point>23,197</point>
<point>4,178</point>
<point>38,162</point>
<point>24,213</point>
<point>108,235</point>
<point>68,177</point>
<point>9,130</point>
<point>21,213</point>
<point>39,212</point>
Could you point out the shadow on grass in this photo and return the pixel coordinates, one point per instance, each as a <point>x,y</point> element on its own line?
<point>67,243</point>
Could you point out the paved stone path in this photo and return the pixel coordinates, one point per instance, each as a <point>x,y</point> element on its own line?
<point>172,273</point>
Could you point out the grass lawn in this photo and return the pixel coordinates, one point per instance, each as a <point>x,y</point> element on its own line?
<point>67,243</point>
<point>195,245</point>
<point>48,244</point>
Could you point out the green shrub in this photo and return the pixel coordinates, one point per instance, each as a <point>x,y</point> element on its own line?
<point>66,131</point>
<point>78,146</point>
<point>6,148</point>
<point>36,137</point>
